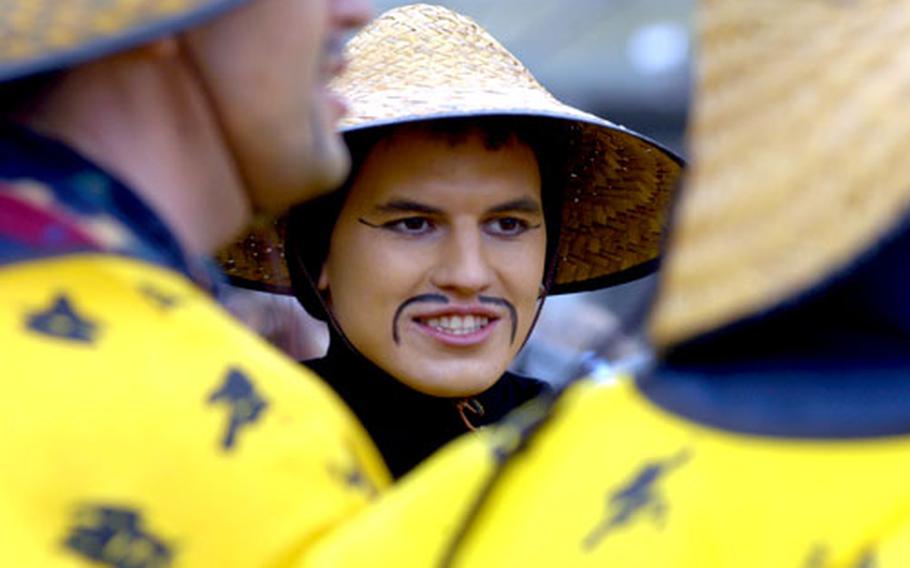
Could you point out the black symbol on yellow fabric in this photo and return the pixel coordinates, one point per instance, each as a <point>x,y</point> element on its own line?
<point>246,405</point>
<point>63,322</point>
<point>638,496</point>
<point>817,557</point>
<point>867,560</point>
<point>115,537</point>
<point>160,298</point>
<point>353,475</point>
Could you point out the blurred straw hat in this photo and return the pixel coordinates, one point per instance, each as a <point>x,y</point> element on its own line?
<point>799,139</point>
<point>422,62</point>
<point>42,35</point>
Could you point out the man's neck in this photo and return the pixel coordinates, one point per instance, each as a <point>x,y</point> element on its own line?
<point>145,119</point>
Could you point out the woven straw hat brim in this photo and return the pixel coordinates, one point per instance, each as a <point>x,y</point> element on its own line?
<point>420,63</point>
<point>799,140</point>
<point>45,35</point>
<point>611,230</point>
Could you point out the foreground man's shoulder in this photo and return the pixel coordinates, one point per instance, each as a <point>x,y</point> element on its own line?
<point>145,412</point>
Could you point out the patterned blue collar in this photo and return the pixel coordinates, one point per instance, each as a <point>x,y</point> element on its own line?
<point>65,204</point>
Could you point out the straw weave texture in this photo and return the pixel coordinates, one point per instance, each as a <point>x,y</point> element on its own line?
<point>32,30</point>
<point>799,141</point>
<point>427,60</point>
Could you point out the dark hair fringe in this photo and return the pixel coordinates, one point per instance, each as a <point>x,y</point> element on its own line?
<point>310,225</point>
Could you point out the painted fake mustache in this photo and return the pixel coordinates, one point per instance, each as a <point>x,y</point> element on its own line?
<point>441,299</point>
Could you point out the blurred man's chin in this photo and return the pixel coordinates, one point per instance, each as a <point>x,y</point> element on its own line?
<point>325,170</point>
<point>332,170</point>
<point>329,163</point>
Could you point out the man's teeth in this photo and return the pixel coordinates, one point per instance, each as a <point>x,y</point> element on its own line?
<point>458,325</point>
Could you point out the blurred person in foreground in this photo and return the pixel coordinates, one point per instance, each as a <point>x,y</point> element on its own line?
<point>775,428</point>
<point>473,195</point>
<point>141,425</point>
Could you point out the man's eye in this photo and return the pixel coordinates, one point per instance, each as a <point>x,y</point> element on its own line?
<point>410,226</point>
<point>507,226</point>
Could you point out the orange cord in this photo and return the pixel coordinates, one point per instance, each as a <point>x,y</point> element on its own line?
<point>474,406</point>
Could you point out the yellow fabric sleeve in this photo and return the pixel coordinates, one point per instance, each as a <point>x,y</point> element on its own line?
<point>144,427</point>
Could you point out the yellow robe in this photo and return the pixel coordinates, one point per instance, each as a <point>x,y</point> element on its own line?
<point>144,427</point>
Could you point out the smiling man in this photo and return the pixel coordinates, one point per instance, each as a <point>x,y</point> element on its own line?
<point>473,194</point>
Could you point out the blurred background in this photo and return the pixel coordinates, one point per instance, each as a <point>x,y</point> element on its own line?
<point>625,60</point>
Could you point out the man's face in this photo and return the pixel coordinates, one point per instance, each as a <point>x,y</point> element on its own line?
<point>436,260</point>
<point>265,66</point>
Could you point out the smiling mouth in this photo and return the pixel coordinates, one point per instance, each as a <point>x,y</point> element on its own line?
<point>456,324</point>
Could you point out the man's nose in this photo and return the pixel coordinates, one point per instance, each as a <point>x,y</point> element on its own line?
<point>463,266</point>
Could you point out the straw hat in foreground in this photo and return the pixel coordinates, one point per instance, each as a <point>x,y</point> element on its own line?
<point>800,140</point>
<point>421,62</point>
<point>43,35</point>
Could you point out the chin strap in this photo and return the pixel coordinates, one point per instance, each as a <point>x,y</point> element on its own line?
<point>542,296</point>
<point>542,293</point>
<point>473,405</point>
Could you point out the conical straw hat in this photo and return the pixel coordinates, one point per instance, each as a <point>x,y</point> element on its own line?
<point>800,140</point>
<point>42,35</point>
<point>422,62</point>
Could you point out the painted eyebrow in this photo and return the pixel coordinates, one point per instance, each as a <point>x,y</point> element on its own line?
<point>523,205</point>
<point>406,206</point>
